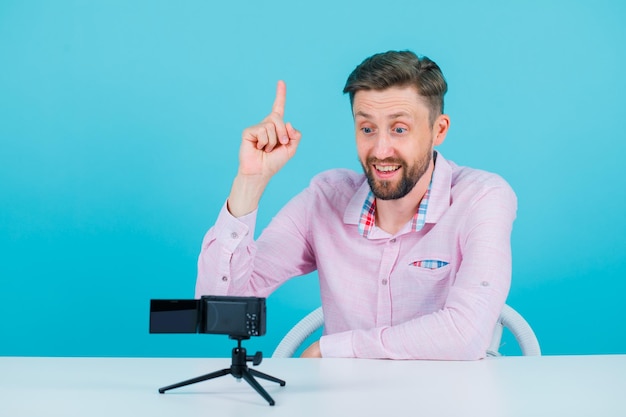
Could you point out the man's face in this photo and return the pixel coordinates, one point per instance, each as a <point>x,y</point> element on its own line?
<point>394,139</point>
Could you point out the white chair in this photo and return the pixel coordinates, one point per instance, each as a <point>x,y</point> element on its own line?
<point>521,330</point>
<point>509,318</point>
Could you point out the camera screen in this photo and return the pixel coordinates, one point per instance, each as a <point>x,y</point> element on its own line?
<point>173,316</point>
<point>226,317</point>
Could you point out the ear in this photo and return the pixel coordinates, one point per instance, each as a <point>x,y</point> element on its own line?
<point>440,129</point>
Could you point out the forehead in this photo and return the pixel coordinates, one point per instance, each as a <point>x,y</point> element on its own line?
<point>388,101</point>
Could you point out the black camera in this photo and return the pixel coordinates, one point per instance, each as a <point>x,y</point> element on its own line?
<point>238,317</point>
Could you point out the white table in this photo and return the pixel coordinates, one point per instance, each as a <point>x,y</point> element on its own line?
<point>507,386</point>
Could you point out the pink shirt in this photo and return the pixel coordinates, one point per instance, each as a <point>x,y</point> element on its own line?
<point>435,293</point>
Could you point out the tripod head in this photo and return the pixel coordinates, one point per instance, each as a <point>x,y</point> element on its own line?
<point>240,357</point>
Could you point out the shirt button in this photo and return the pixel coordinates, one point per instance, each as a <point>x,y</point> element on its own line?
<point>393,240</point>
<point>484,283</point>
<point>224,278</point>
<point>384,282</point>
<point>234,235</point>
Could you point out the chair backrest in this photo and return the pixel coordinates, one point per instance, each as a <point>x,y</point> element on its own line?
<point>509,318</point>
<point>521,330</point>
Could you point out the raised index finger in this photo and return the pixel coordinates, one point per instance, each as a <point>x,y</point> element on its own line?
<point>281,97</point>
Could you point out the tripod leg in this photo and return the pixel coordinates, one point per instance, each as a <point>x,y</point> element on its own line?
<point>201,378</point>
<point>245,374</point>
<point>258,374</point>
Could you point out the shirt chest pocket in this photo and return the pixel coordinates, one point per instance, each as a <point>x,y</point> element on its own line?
<point>422,286</point>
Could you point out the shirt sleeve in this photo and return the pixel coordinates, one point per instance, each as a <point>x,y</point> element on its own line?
<point>219,246</point>
<point>232,262</point>
<point>463,328</point>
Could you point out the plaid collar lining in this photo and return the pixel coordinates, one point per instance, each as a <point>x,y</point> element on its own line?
<point>367,218</point>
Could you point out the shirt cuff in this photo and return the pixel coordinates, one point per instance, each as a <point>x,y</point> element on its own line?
<point>230,231</point>
<point>337,345</point>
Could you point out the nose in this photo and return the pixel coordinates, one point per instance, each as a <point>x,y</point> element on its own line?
<point>383,147</point>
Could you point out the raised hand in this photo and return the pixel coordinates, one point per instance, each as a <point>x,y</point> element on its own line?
<point>265,149</point>
<point>267,146</point>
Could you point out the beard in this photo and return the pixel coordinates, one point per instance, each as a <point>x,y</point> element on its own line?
<point>388,190</point>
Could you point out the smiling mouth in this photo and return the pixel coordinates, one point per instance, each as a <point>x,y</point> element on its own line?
<point>387,169</point>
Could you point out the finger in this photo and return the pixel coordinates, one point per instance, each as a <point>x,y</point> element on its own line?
<point>281,96</point>
<point>294,139</point>
<point>270,130</point>
<point>294,134</point>
<point>251,134</point>
<point>261,138</point>
<point>282,135</point>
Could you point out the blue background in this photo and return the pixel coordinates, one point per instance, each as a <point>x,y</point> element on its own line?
<point>120,123</point>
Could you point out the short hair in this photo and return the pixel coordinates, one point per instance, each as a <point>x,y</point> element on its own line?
<point>400,69</point>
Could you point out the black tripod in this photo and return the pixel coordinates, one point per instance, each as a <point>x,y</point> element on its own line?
<point>238,369</point>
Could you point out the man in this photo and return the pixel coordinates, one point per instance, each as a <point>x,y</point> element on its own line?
<point>413,257</point>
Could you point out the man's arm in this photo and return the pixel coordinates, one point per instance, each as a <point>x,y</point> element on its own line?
<point>228,248</point>
<point>231,262</point>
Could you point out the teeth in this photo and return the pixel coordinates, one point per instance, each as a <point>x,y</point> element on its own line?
<point>387,168</point>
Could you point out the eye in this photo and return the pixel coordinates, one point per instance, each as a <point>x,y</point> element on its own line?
<point>366,130</point>
<point>399,130</point>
